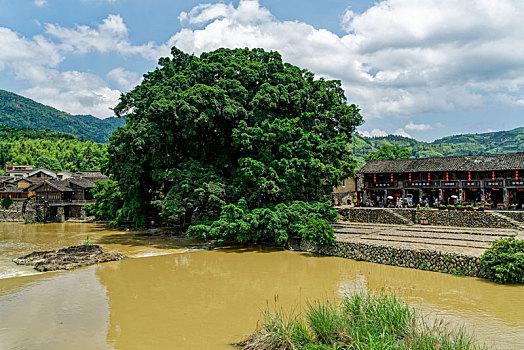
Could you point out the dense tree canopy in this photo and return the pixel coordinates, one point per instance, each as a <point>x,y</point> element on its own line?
<point>231,127</point>
<point>52,150</point>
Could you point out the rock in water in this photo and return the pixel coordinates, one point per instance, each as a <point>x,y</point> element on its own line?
<point>68,258</point>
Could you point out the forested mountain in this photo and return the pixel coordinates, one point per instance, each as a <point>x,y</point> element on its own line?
<point>469,144</point>
<point>55,151</point>
<point>21,112</point>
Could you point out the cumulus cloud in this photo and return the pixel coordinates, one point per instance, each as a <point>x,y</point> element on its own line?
<point>399,57</point>
<point>109,36</point>
<point>373,133</point>
<point>36,61</point>
<point>401,132</point>
<point>125,79</point>
<point>72,91</point>
<point>40,3</point>
<point>418,127</point>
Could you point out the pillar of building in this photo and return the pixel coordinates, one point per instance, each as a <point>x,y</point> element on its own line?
<point>403,194</point>
<point>60,214</point>
<point>420,195</point>
<point>505,198</point>
<point>461,195</point>
<point>482,195</point>
<point>440,195</point>
<point>365,196</point>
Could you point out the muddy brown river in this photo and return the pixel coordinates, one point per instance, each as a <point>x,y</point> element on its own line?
<point>170,294</point>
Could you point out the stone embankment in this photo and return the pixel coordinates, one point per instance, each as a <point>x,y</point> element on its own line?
<point>422,259</point>
<point>68,258</point>
<point>13,214</point>
<point>434,248</point>
<point>485,219</point>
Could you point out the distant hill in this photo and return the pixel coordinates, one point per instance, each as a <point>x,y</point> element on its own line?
<point>499,142</point>
<point>21,112</point>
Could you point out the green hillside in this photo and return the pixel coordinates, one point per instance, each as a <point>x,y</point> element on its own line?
<point>21,112</point>
<point>55,151</point>
<point>499,142</point>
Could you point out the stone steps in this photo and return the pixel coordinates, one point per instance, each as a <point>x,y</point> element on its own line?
<point>519,224</point>
<point>348,227</point>
<point>467,241</point>
<point>452,237</point>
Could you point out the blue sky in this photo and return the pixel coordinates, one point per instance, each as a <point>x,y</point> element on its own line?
<point>418,68</point>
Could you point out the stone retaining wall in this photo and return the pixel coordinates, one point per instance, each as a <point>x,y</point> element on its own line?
<point>377,216</point>
<point>421,259</point>
<point>434,216</point>
<point>13,214</point>
<point>515,215</point>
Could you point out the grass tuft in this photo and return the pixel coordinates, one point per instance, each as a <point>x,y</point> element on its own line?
<point>361,321</point>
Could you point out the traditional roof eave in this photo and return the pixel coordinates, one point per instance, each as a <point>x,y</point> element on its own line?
<point>496,162</point>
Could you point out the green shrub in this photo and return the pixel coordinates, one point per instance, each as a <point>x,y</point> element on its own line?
<point>319,231</point>
<point>7,202</point>
<point>504,261</point>
<point>272,224</point>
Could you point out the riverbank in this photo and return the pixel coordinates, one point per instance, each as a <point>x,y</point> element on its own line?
<point>452,250</point>
<point>448,242</point>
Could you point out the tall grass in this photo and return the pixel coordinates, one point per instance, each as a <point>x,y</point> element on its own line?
<point>361,321</point>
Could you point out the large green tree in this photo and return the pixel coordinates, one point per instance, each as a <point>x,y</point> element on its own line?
<point>228,126</point>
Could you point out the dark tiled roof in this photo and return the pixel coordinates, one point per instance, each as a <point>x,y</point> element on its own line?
<point>59,185</point>
<point>495,162</point>
<point>13,190</point>
<point>82,182</point>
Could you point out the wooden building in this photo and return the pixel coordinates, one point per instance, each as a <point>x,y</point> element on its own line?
<point>496,181</point>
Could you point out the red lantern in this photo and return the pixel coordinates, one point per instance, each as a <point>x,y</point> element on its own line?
<point>429,177</point>
<point>374,177</point>
<point>447,176</point>
<point>469,175</point>
<point>492,176</point>
<point>409,177</point>
<point>391,177</point>
<point>516,175</point>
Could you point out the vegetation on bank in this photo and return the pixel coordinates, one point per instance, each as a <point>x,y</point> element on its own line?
<point>52,150</point>
<point>361,321</point>
<point>504,261</point>
<point>232,144</point>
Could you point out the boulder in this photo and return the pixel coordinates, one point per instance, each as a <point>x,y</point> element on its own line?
<point>68,258</point>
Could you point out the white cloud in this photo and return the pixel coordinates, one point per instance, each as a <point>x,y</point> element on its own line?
<point>373,133</point>
<point>418,127</point>
<point>401,132</point>
<point>40,3</point>
<point>109,36</point>
<point>36,60</point>
<point>71,91</point>
<point>400,57</point>
<point>125,79</point>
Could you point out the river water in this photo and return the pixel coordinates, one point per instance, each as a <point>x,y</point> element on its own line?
<point>172,295</point>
